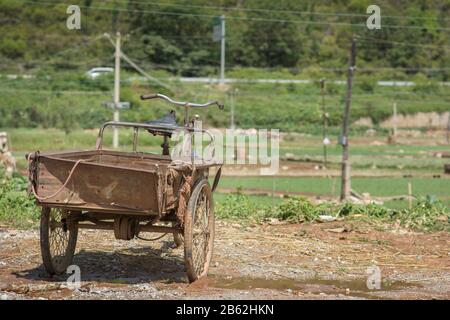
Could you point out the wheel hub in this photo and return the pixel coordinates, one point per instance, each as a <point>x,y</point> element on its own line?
<point>125,228</point>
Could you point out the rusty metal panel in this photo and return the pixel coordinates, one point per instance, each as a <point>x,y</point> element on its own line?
<point>98,185</point>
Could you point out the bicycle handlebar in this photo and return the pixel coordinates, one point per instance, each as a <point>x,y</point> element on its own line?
<point>180,103</point>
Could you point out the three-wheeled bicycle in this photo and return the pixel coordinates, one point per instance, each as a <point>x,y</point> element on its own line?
<point>128,192</point>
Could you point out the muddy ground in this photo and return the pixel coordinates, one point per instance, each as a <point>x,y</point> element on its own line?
<point>268,261</point>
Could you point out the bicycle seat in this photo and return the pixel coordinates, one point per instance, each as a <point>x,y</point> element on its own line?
<point>164,125</point>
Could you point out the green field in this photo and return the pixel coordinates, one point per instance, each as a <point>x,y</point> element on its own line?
<point>331,186</point>
<point>377,187</point>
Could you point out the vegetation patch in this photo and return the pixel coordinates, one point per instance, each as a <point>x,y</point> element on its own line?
<point>427,214</point>
<point>17,208</point>
<point>238,206</point>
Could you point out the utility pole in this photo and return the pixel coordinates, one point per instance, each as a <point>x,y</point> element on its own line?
<point>222,49</point>
<point>116,90</point>
<point>324,123</point>
<point>345,175</point>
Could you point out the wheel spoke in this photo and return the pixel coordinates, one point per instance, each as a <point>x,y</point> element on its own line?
<point>59,238</point>
<point>200,233</point>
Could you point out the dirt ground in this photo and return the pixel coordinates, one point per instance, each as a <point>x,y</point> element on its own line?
<point>268,261</point>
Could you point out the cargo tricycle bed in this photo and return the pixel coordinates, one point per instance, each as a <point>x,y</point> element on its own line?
<point>127,192</point>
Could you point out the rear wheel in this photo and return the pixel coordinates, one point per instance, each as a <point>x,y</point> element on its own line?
<point>199,231</point>
<point>58,240</point>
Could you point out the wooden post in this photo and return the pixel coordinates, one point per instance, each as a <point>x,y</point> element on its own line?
<point>324,122</point>
<point>394,120</point>
<point>448,129</point>
<point>232,96</point>
<point>410,195</point>
<point>447,168</point>
<point>392,137</point>
<point>345,175</point>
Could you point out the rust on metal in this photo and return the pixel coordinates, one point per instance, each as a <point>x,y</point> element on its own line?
<point>185,193</point>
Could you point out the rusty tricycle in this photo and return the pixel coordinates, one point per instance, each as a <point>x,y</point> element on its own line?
<point>128,192</point>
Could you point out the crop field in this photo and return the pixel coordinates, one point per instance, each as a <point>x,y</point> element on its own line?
<point>69,101</point>
<point>330,187</point>
<point>382,170</point>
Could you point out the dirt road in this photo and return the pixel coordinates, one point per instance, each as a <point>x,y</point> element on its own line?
<point>318,261</point>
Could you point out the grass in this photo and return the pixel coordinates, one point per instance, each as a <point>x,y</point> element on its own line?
<point>379,187</point>
<point>426,214</point>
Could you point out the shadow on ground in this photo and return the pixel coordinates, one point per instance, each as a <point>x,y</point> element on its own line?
<point>127,266</point>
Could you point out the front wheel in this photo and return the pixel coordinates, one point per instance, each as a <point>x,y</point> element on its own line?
<point>58,241</point>
<point>199,231</point>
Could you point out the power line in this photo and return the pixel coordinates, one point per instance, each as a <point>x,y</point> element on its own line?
<point>369,69</point>
<point>135,66</point>
<point>426,46</point>
<point>207,38</point>
<point>70,92</point>
<point>244,9</point>
<point>141,71</point>
<point>210,16</point>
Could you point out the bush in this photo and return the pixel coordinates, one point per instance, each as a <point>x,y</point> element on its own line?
<point>426,215</point>
<point>371,210</point>
<point>237,206</point>
<point>300,209</point>
<point>17,208</point>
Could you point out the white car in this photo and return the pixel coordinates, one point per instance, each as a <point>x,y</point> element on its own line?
<point>96,72</point>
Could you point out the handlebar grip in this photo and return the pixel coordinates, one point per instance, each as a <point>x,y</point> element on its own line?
<point>149,96</point>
